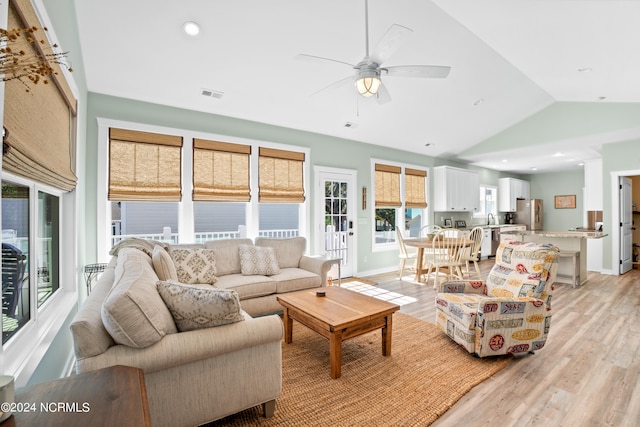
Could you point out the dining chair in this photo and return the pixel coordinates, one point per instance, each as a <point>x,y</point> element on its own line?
<point>471,253</point>
<point>404,255</point>
<point>447,253</point>
<point>429,229</point>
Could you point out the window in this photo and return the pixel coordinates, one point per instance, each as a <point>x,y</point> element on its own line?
<point>28,271</point>
<point>237,187</point>
<point>398,186</point>
<point>488,201</point>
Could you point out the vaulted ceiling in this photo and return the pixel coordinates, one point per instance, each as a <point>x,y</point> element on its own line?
<point>511,60</point>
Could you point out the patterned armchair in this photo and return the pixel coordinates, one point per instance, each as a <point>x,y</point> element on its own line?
<point>510,312</point>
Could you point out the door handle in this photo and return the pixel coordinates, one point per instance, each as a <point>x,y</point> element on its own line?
<point>351,233</point>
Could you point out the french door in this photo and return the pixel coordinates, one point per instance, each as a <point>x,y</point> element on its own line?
<point>626,224</point>
<point>335,216</point>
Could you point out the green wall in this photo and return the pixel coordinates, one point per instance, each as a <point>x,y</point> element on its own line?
<point>547,186</point>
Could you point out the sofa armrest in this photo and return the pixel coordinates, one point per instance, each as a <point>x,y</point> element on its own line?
<point>317,265</point>
<point>463,287</point>
<point>187,347</point>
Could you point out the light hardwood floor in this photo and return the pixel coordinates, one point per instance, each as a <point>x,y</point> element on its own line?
<point>588,373</point>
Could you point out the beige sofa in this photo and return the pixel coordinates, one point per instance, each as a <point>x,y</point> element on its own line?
<point>201,375</point>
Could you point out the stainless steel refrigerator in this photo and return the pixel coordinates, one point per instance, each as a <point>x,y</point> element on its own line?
<point>529,213</point>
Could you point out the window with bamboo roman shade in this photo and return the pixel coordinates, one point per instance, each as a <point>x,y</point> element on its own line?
<point>39,142</point>
<point>387,185</point>
<point>280,177</point>
<point>144,166</point>
<point>414,188</point>
<point>220,171</point>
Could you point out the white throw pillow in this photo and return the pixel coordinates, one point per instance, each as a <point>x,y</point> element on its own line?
<point>195,266</point>
<point>163,264</point>
<point>258,260</point>
<point>199,306</point>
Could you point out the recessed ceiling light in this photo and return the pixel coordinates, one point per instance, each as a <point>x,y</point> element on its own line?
<point>557,155</point>
<point>580,164</point>
<point>504,160</point>
<point>534,169</point>
<point>191,28</point>
<point>602,98</point>
<point>585,69</point>
<point>428,144</point>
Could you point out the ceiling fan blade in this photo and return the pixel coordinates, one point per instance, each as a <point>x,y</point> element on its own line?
<point>419,71</point>
<point>335,85</point>
<point>392,40</point>
<point>383,96</point>
<point>316,59</point>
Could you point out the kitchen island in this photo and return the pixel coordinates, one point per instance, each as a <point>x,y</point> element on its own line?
<point>566,241</point>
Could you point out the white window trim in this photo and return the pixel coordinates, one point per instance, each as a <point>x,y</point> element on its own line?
<point>477,214</point>
<point>381,247</point>
<point>185,216</point>
<point>23,353</point>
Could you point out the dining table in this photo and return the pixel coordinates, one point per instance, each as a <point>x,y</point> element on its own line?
<point>422,243</point>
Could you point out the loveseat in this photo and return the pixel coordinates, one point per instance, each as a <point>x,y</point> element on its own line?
<point>194,372</point>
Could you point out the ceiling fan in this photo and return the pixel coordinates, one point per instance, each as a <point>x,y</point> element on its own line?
<point>369,71</point>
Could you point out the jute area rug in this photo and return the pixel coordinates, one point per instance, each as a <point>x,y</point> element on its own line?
<point>424,376</point>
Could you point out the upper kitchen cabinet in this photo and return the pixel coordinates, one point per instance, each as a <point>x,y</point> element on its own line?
<point>509,190</point>
<point>593,185</point>
<point>456,190</point>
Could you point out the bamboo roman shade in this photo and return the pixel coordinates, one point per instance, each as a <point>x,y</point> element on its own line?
<point>220,171</point>
<point>387,186</point>
<point>144,166</point>
<point>40,123</point>
<point>280,176</point>
<point>414,188</point>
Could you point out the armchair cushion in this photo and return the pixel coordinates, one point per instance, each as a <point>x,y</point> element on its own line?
<point>163,264</point>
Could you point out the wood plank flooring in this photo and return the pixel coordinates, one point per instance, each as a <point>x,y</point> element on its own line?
<point>588,373</point>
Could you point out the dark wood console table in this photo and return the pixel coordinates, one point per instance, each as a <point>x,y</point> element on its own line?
<point>111,396</point>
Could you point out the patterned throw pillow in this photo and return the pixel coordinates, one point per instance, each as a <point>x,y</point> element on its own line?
<point>198,307</point>
<point>195,265</point>
<point>258,260</point>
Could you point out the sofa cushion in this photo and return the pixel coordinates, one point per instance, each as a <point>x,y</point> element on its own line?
<point>199,306</point>
<point>257,260</point>
<point>195,265</point>
<point>248,286</point>
<point>288,251</point>
<point>295,279</point>
<point>145,245</point>
<point>227,259</point>
<point>163,264</point>
<point>133,313</point>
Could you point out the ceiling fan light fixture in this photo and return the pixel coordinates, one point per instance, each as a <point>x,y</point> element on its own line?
<point>368,85</point>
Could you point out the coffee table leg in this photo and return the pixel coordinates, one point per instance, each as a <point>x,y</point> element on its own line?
<point>335,354</point>
<point>386,336</point>
<point>288,326</point>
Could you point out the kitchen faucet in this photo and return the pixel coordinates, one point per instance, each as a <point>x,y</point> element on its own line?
<point>492,217</point>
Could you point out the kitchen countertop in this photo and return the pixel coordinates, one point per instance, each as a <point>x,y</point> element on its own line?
<point>561,233</point>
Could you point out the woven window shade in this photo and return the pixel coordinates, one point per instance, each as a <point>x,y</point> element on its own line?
<point>144,166</point>
<point>387,186</point>
<point>40,139</point>
<point>280,177</point>
<point>220,171</point>
<point>414,188</point>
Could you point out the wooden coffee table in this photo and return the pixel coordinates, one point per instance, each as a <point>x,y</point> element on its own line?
<point>338,316</point>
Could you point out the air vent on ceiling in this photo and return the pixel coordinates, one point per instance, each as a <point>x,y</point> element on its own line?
<point>211,93</point>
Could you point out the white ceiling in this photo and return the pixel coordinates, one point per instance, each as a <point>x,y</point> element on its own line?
<point>512,58</point>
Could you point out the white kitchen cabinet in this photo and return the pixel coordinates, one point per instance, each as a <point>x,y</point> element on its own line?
<point>593,185</point>
<point>506,236</point>
<point>509,190</point>
<point>456,190</point>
